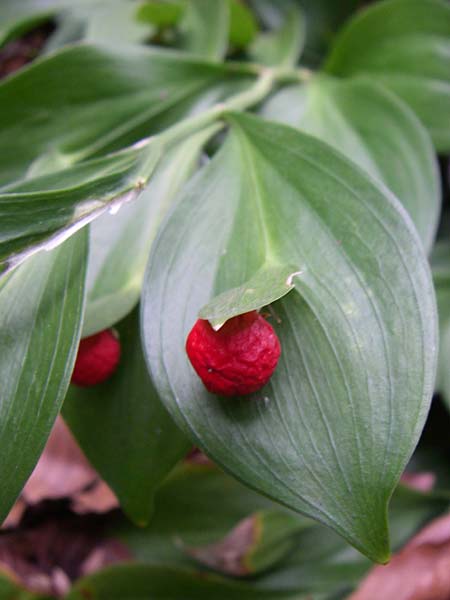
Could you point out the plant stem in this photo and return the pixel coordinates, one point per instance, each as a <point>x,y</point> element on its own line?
<point>254,94</point>
<point>268,78</point>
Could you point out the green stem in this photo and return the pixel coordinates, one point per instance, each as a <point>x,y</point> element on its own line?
<point>267,80</point>
<point>254,94</point>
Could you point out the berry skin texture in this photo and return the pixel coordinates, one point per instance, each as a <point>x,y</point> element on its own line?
<point>97,359</point>
<point>238,359</point>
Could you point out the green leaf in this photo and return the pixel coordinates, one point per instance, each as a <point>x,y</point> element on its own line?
<point>243,26</point>
<point>125,412</point>
<point>270,283</point>
<point>44,211</point>
<point>440,261</point>
<point>391,145</point>
<point>404,44</point>
<point>119,245</point>
<point>41,310</point>
<point>324,437</point>
<point>145,91</point>
<point>205,28</point>
<point>283,46</point>
<point>161,13</point>
<point>141,582</point>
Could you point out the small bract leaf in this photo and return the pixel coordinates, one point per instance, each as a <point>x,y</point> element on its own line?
<point>270,283</point>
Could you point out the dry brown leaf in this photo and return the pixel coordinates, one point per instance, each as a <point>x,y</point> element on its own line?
<point>47,557</point>
<point>421,571</point>
<point>228,555</point>
<point>62,470</point>
<point>97,499</point>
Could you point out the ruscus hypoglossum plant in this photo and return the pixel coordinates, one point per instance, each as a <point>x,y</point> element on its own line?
<point>204,166</point>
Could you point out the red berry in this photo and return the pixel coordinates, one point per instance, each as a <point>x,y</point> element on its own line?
<point>236,360</point>
<point>97,358</point>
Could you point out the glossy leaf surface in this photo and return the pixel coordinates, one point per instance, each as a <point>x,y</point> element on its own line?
<point>41,311</point>
<point>404,44</point>
<point>375,130</point>
<point>124,429</point>
<point>325,436</point>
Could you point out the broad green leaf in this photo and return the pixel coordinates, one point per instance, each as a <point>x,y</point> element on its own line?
<point>268,284</point>
<point>205,27</point>
<point>161,13</point>
<point>243,26</point>
<point>440,261</point>
<point>124,429</point>
<point>40,322</point>
<point>324,437</point>
<point>404,44</point>
<point>391,145</point>
<point>120,244</point>
<point>111,98</point>
<point>142,582</point>
<point>44,211</point>
<point>283,46</point>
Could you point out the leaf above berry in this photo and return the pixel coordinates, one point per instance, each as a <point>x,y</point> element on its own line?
<point>359,328</point>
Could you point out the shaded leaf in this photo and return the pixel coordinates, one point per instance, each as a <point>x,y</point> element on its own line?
<point>311,439</point>
<point>41,307</point>
<point>197,505</point>
<point>120,244</point>
<point>160,13</point>
<point>205,27</point>
<point>125,412</point>
<point>243,26</point>
<point>405,45</point>
<point>283,46</point>
<point>440,261</point>
<point>391,145</point>
<point>140,582</point>
<point>322,17</point>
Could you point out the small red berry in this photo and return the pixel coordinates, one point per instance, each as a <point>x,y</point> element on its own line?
<point>238,359</point>
<point>97,358</point>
